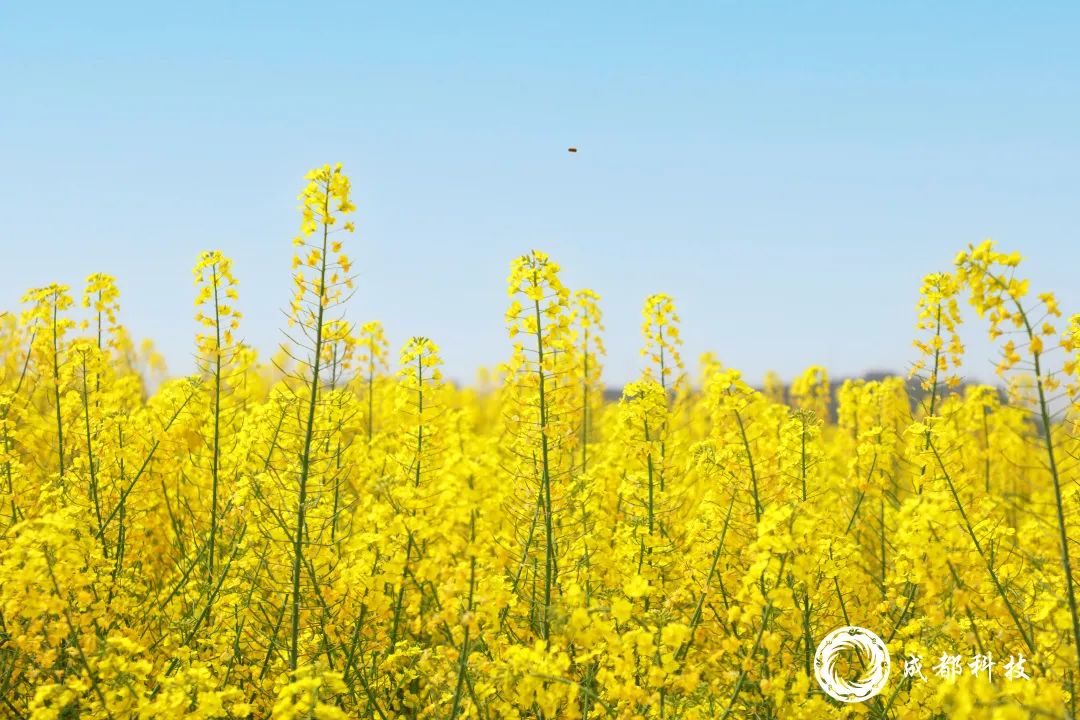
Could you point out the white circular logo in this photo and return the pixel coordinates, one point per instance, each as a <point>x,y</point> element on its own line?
<point>872,652</point>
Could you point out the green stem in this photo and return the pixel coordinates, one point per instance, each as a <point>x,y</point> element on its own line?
<point>90,456</point>
<point>56,386</point>
<point>549,531</point>
<point>215,460</point>
<point>305,455</point>
<point>463,663</point>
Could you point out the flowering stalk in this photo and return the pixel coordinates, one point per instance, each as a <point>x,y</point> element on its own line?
<point>327,193</point>
<point>48,303</point>
<point>214,273</point>
<point>660,328</point>
<point>539,376</point>
<point>588,324</point>
<point>373,349</point>
<point>982,268</point>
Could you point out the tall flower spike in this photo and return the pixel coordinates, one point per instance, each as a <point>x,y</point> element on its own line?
<point>215,312</point>
<point>541,422</point>
<point>103,299</point>
<point>996,291</point>
<point>587,323</point>
<point>419,382</point>
<point>997,294</point>
<point>219,320</point>
<point>660,327</point>
<point>811,391</point>
<point>324,204</point>
<point>373,352</point>
<point>588,320</point>
<point>939,318</point>
<point>372,347</point>
<point>48,325</point>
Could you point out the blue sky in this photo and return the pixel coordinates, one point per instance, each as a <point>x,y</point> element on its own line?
<point>787,171</point>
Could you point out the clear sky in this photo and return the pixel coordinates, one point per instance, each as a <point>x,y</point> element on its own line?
<point>787,171</point>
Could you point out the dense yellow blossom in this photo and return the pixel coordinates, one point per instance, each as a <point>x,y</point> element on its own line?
<point>336,534</point>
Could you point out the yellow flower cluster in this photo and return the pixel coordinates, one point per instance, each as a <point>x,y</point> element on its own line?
<point>661,331</point>
<point>327,536</point>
